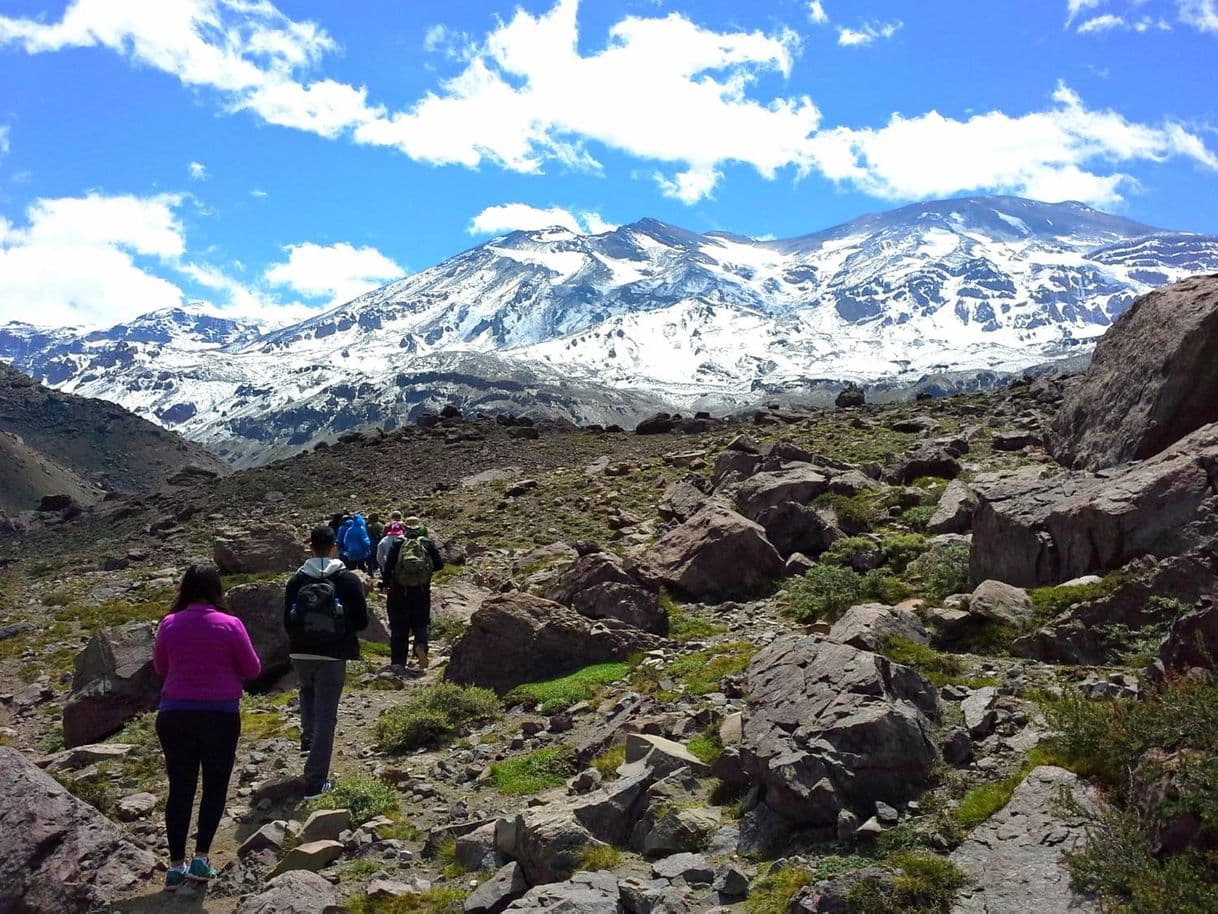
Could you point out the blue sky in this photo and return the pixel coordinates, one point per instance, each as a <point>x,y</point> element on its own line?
<point>273,158</point>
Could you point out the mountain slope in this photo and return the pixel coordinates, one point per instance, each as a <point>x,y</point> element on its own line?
<point>606,327</point>
<point>53,443</point>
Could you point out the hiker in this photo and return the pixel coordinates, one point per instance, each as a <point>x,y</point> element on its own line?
<point>324,606</point>
<point>204,655</point>
<point>354,544</point>
<point>375,532</point>
<point>408,568</point>
<point>393,534</point>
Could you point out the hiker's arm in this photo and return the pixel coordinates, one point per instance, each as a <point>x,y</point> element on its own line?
<point>356,603</point>
<point>248,664</point>
<point>289,597</point>
<point>160,654</point>
<point>437,560</point>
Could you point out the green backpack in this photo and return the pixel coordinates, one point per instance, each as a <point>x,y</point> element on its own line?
<point>414,567</point>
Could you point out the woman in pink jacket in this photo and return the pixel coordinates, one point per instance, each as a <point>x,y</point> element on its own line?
<point>204,656</point>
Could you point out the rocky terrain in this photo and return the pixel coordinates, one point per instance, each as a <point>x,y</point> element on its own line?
<point>939,296</point>
<point>77,450</point>
<point>872,659</point>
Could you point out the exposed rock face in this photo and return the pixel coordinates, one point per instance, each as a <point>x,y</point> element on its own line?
<point>265,549</point>
<point>518,638</point>
<point>585,893</point>
<point>1015,859</point>
<point>294,892</point>
<point>57,853</point>
<point>1152,380</point>
<point>114,682</point>
<point>715,553</point>
<point>954,513</point>
<point>1192,641</point>
<point>260,607</point>
<point>799,483</point>
<point>849,397</point>
<point>1030,531</point>
<point>597,586</point>
<point>830,727</point>
<point>868,626</point>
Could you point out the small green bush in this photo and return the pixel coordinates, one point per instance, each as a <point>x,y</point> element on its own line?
<point>597,857</point>
<point>559,694</point>
<point>855,514</point>
<point>706,746</point>
<point>1052,601</point>
<point>436,900</point>
<point>938,668</point>
<point>823,593</point>
<point>845,549</point>
<point>684,626</point>
<point>902,548</point>
<point>608,762</point>
<point>535,772</point>
<point>773,893</point>
<point>364,797</point>
<point>941,572</point>
<point>446,628</point>
<point>879,586</point>
<point>433,714</point>
<point>925,884</point>
<point>917,517</point>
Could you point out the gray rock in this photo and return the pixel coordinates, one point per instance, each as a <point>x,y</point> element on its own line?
<point>732,882</point>
<point>312,856</point>
<point>1001,602</point>
<point>584,893</point>
<point>979,714</point>
<point>1015,859</point>
<point>114,682</point>
<point>954,513</point>
<point>494,895</point>
<point>264,549</point>
<point>297,892</point>
<point>325,825</point>
<point>870,625</point>
<point>57,853</point>
<point>693,868</point>
<point>662,756</point>
<point>831,727</point>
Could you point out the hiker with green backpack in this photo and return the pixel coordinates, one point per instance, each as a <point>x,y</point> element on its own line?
<point>407,573</point>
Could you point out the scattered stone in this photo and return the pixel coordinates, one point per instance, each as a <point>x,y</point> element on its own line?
<point>979,714</point>
<point>870,625</point>
<point>295,892</point>
<point>954,512</point>
<point>325,825</point>
<point>135,806</point>
<point>264,549</point>
<point>585,893</point>
<point>693,868</point>
<point>312,856</point>
<point>1001,602</point>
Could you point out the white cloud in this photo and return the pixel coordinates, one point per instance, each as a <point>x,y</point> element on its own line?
<point>816,12</point>
<point>1144,15</point>
<point>1044,154</point>
<point>867,33</point>
<point>259,193</point>
<point>1074,7</point>
<point>4,145</point>
<point>1200,14</point>
<point>339,271</point>
<point>197,171</point>
<point>78,260</point>
<point>513,217</point>
<point>691,185</point>
<point>1103,23</point>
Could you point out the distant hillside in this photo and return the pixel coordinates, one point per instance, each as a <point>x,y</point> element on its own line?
<point>53,443</point>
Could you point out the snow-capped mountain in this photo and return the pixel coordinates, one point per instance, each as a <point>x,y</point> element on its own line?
<point>606,327</point>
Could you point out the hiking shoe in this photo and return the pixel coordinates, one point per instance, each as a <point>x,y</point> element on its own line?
<point>422,658</point>
<point>312,793</point>
<point>201,870</point>
<point>175,878</point>
<point>305,746</point>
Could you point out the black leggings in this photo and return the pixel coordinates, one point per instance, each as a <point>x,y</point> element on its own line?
<point>194,741</point>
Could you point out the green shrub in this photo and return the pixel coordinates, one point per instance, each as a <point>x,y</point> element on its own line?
<point>823,593</point>
<point>559,694</point>
<point>941,572</point>
<point>432,714</point>
<point>446,627</point>
<point>364,797</point>
<point>706,747</point>
<point>879,586</point>
<point>938,668</point>
<point>436,900</point>
<point>684,626</point>
<point>773,893</point>
<point>608,762</point>
<point>535,772</point>
<point>1052,601</point>
<point>902,548</point>
<point>597,857</point>
<point>855,514</point>
<point>925,884</point>
<point>702,671</point>
<point>845,549</point>
<point>917,517</point>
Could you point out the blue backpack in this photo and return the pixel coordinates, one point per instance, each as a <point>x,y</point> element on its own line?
<point>357,544</point>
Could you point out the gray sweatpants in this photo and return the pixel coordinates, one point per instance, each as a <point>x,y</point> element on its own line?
<point>321,686</point>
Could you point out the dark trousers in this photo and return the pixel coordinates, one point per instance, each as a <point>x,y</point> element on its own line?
<point>321,687</point>
<point>409,611</point>
<point>195,741</point>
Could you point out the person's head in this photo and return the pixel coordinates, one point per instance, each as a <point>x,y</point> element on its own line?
<point>200,584</point>
<point>374,518</point>
<point>396,517</point>
<point>321,541</point>
<point>415,525</point>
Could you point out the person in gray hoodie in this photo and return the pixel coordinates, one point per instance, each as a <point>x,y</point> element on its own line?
<point>324,609</point>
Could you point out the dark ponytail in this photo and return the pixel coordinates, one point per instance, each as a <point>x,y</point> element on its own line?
<point>200,584</point>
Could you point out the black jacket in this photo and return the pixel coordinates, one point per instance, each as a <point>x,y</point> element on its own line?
<point>437,562</point>
<point>350,590</point>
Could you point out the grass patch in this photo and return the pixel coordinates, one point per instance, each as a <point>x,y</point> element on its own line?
<point>268,577</point>
<point>535,772</point>
<point>855,513</point>
<point>684,626</point>
<point>559,694</point>
<point>706,747</point>
<point>917,517</point>
<point>1052,601</point>
<point>608,762</point>
<point>982,801</point>
<point>364,797</point>
<point>597,857</point>
<point>446,628</point>
<point>698,673</point>
<point>937,667</point>
<point>434,714</point>
<point>436,900</point>
<point>116,612</point>
<point>774,892</point>
<point>925,884</point>
<point>900,549</point>
<point>258,723</point>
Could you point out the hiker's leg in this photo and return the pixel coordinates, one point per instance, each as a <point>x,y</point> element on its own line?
<point>180,747</point>
<point>399,628</point>
<point>222,730</point>
<point>304,672</point>
<point>328,689</point>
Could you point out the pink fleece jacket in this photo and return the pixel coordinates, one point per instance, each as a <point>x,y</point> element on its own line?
<point>203,655</point>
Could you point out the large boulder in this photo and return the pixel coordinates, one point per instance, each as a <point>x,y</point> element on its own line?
<point>954,512</point>
<point>293,892</point>
<point>517,638</point>
<point>870,625</point>
<point>1015,861</point>
<point>260,607</point>
<point>57,853</point>
<point>598,586</point>
<point>1192,641</point>
<point>265,549</point>
<point>799,483</point>
<point>716,553</point>
<point>1030,531</point>
<point>584,893</point>
<point>114,683</point>
<point>830,727</point>
<point>1152,380</point>
<point>1002,603</point>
